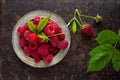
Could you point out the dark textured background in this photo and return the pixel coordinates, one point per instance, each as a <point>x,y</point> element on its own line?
<point>74,65</point>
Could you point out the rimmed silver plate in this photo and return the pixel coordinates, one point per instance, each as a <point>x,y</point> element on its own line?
<point>20,53</point>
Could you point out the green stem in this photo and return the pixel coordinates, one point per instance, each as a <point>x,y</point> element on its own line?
<point>75,12</point>
<point>88,16</point>
<point>70,21</point>
<point>115,45</point>
<point>77,22</point>
<point>80,20</point>
<point>78,13</point>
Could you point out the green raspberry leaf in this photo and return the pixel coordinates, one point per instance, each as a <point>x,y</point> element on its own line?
<point>107,36</point>
<point>100,57</point>
<point>43,23</point>
<point>43,36</point>
<point>74,27</point>
<point>116,60</point>
<point>31,26</point>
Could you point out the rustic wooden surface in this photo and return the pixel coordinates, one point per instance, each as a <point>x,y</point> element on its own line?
<point>74,65</point>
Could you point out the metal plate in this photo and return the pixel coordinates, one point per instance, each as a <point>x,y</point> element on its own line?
<point>20,53</point>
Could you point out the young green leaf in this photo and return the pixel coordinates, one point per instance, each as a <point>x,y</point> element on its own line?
<point>43,36</point>
<point>43,23</point>
<point>74,27</point>
<point>31,26</point>
<point>100,57</point>
<point>116,60</point>
<point>107,36</point>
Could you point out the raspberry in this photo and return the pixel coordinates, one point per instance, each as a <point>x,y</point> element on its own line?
<point>54,41</point>
<point>36,20</point>
<point>63,44</point>
<point>43,49</point>
<point>51,22</point>
<point>21,31</point>
<point>49,30</point>
<point>47,59</point>
<point>36,57</point>
<point>33,38</point>
<point>26,34</point>
<point>22,42</point>
<point>27,51</point>
<point>53,50</point>
<point>41,40</point>
<point>57,29</point>
<point>88,30</point>
<point>33,46</point>
<point>61,36</point>
<point>26,26</point>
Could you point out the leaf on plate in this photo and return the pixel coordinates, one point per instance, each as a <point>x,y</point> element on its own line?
<point>107,36</point>
<point>31,26</point>
<point>100,57</point>
<point>43,36</point>
<point>43,23</point>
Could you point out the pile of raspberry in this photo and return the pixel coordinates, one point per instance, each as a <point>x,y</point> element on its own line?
<point>38,48</point>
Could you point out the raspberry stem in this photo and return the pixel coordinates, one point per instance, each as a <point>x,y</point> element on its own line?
<point>56,34</point>
<point>77,21</point>
<point>70,21</point>
<point>78,13</point>
<point>88,16</point>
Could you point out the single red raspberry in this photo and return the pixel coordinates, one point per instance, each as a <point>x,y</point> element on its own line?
<point>51,22</point>
<point>43,49</point>
<point>63,44</point>
<point>33,46</point>
<point>21,31</point>
<point>36,56</point>
<point>88,30</point>
<point>47,59</point>
<point>57,29</point>
<point>36,20</point>
<point>26,26</point>
<point>61,36</point>
<point>53,50</point>
<point>33,38</point>
<point>27,51</point>
<point>54,41</point>
<point>22,42</point>
<point>49,30</point>
<point>26,34</point>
